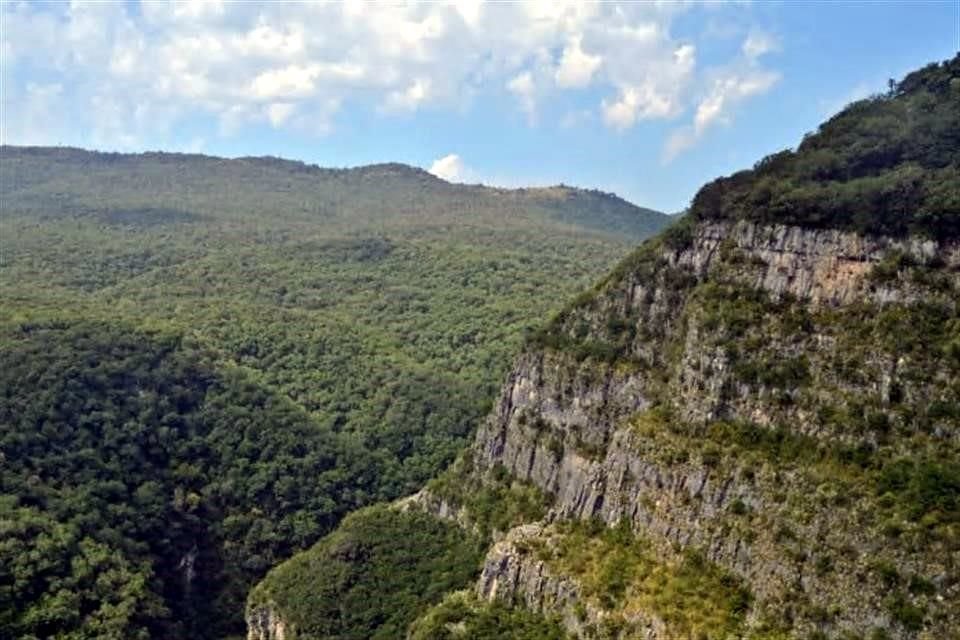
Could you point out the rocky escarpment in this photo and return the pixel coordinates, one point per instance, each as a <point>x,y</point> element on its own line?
<point>512,572</point>
<point>264,623</point>
<point>751,392</point>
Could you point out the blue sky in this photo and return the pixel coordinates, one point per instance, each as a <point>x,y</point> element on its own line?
<point>649,100</point>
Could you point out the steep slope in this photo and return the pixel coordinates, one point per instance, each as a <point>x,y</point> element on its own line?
<point>751,427</point>
<point>801,431</point>
<point>768,411</point>
<point>206,363</point>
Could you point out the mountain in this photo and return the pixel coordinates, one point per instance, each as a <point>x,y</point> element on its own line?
<point>156,189</point>
<point>749,429</point>
<point>205,364</point>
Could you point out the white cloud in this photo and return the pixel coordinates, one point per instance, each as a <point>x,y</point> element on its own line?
<point>758,44</point>
<point>36,121</point>
<point>576,66</point>
<point>410,98</point>
<point>469,11</point>
<point>197,9</point>
<point>280,112</point>
<point>656,95</point>
<point>287,82</point>
<point>636,103</point>
<point>728,91</point>
<point>269,42</point>
<point>452,168</point>
<point>723,90</point>
<point>522,86</point>
<point>130,75</point>
<point>716,106</point>
<point>449,167</point>
<point>297,81</point>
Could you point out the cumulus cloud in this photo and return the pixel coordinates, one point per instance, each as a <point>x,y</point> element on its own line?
<point>450,168</point>
<point>649,90</point>
<point>280,112</point>
<point>758,44</point>
<point>636,103</point>
<point>522,86</point>
<point>36,121</point>
<point>716,107</point>
<point>128,74</point>
<point>453,168</point>
<point>728,88</point>
<point>576,66</point>
<point>411,97</point>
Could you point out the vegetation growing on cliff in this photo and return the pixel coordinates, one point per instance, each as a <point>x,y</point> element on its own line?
<point>793,393</point>
<point>623,573</point>
<point>490,503</point>
<point>885,165</point>
<point>461,615</point>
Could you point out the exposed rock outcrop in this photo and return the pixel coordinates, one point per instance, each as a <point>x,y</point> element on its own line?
<point>635,436</point>
<point>263,623</point>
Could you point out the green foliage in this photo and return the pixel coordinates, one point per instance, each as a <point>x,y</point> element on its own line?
<point>580,349</point>
<point>372,577</point>
<point>621,571</point>
<point>265,346</point>
<point>176,479</point>
<point>495,502</point>
<point>905,612</point>
<point>461,615</point>
<point>923,487</point>
<point>887,165</point>
<point>53,577</point>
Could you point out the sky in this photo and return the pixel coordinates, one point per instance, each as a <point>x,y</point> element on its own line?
<point>645,99</point>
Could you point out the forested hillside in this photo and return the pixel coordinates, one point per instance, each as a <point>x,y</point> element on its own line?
<point>750,428</point>
<point>207,363</point>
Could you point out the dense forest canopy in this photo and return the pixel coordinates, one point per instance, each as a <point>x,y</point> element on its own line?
<point>889,164</point>
<point>145,481</point>
<point>206,363</point>
<point>374,575</point>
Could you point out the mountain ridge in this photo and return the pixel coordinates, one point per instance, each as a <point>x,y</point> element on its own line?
<point>299,166</point>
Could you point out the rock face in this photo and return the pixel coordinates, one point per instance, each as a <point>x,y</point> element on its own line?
<point>508,572</point>
<point>511,573</point>
<point>263,623</point>
<point>745,392</point>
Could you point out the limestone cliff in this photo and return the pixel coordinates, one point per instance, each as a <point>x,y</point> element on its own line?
<point>745,392</point>
<point>751,428</point>
<point>264,623</point>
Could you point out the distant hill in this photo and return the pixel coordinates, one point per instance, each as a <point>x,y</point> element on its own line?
<point>206,363</point>
<point>164,188</point>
